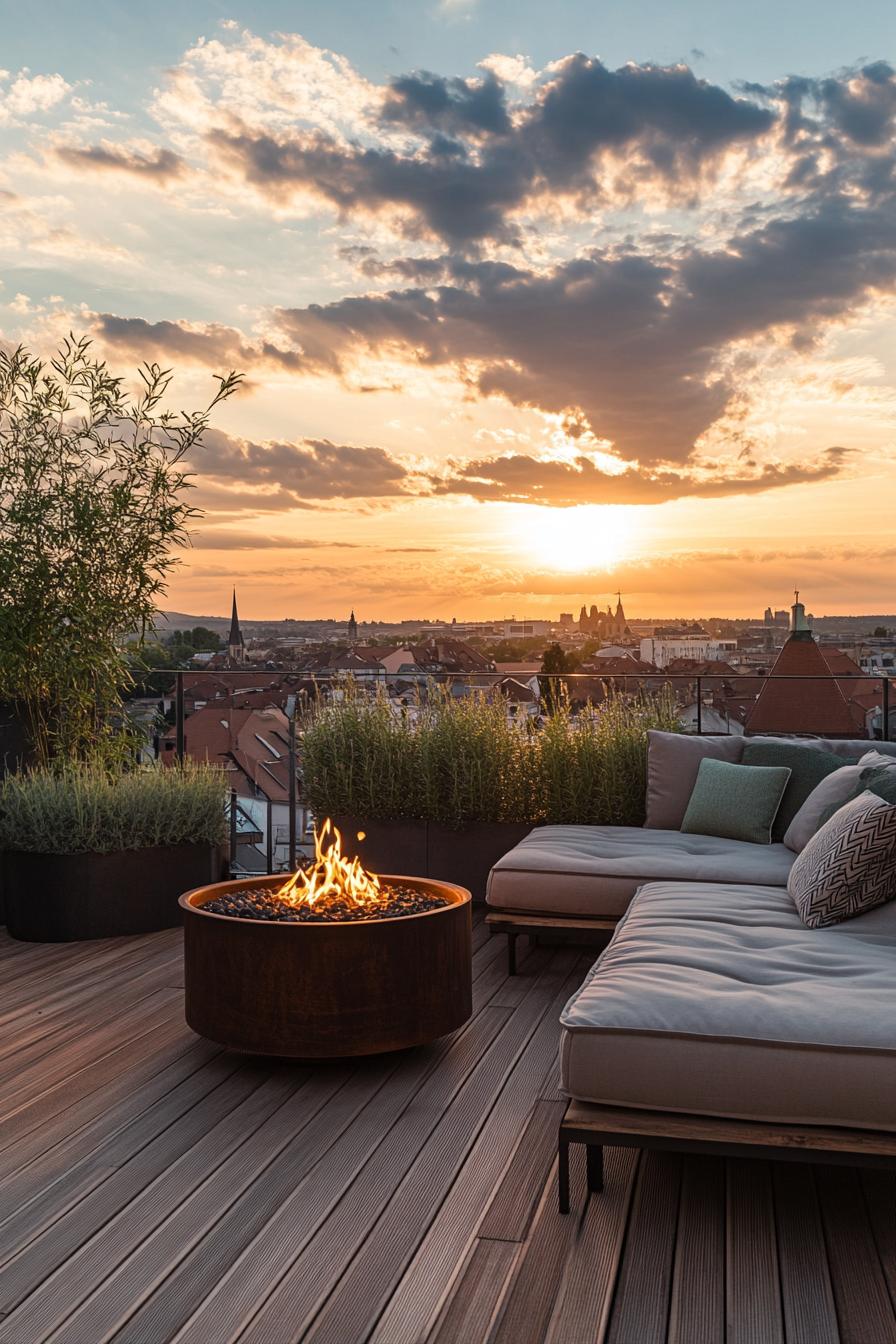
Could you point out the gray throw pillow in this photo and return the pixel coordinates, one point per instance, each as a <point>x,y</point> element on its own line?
<point>673,760</point>
<point>830,795</point>
<point>849,866</point>
<point>736,802</point>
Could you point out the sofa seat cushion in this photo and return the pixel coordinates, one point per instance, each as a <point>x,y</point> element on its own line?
<point>593,871</point>
<point>717,1000</point>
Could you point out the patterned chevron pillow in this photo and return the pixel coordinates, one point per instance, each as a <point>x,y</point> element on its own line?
<point>849,866</point>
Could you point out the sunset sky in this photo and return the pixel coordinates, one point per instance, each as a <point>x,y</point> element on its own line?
<point>534,302</point>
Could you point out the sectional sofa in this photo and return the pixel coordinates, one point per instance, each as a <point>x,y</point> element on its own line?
<point>714,1019</point>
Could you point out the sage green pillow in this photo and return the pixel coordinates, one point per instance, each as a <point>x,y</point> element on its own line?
<point>736,802</point>
<point>808,766</point>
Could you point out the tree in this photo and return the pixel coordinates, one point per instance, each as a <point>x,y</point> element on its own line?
<point>93,486</point>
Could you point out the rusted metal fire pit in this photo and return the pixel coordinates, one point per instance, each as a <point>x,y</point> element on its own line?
<point>329,987</point>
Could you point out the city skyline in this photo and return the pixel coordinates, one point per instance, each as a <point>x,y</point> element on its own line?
<point>523,316</point>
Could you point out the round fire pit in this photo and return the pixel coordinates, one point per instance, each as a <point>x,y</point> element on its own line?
<point>326,989</point>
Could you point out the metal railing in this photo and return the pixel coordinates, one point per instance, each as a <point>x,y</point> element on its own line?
<point>644,681</point>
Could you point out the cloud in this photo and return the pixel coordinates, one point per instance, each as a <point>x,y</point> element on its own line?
<point>474,167</point>
<point>209,344</point>
<point>432,102</point>
<point>161,166</point>
<point>634,342</point>
<point>311,470</point>
<point>521,479</point>
<point>220,539</point>
<point>26,94</point>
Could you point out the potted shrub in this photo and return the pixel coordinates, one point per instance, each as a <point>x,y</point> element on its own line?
<point>446,786</point>
<point>94,853</point>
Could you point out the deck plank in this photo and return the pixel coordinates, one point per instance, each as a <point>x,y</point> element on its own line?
<point>753,1284</point>
<point>583,1301</point>
<point>697,1311</point>
<point>810,1316</point>
<point>640,1308</point>
<point>864,1307</point>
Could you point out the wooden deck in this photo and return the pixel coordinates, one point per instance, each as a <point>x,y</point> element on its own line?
<point>153,1187</point>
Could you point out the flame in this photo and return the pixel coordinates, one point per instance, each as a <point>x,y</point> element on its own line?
<point>333,878</point>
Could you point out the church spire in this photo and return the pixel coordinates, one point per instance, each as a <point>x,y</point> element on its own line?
<point>352,627</point>
<point>236,649</point>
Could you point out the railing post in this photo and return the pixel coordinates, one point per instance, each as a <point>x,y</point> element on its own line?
<point>180,740</point>
<point>885,708</point>
<point>699,704</point>
<point>269,828</point>
<point>292,792</point>
<point>233,807</point>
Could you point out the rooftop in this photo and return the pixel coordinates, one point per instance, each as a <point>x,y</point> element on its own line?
<point>154,1184</point>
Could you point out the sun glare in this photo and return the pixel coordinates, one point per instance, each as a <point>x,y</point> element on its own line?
<point>580,539</point>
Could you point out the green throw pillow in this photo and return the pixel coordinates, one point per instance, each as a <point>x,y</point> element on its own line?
<point>736,802</point>
<point>808,766</point>
<point>879,779</point>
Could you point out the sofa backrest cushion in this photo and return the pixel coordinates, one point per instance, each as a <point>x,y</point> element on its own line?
<point>808,766</point>
<point>736,802</point>
<point>849,866</point>
<point>673,760</point>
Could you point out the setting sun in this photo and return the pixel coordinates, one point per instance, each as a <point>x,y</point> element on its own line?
<point>579,539</point>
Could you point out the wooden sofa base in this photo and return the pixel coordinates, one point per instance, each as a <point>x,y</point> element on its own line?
<point>513,924</point>
<point>619,1127</point>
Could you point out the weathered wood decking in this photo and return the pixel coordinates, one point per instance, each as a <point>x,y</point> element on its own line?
<point>153,1187</point>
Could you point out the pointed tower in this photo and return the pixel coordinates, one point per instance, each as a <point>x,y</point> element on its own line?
<point>236,649</point>
<point>801,695</point>
<point>583,618</point>
<point>352,629</point>
<point>619,623</point>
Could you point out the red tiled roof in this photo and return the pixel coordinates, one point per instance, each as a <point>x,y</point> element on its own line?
<point>803,706</point>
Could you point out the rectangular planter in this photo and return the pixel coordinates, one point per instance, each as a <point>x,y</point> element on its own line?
<point>428,849</point>
<point>61,898</point>
<point>388,846</point>
<point>468,856</point>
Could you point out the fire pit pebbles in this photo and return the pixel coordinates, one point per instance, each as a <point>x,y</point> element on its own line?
<point>320,966</point>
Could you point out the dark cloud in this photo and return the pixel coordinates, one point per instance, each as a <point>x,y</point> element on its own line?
<point>519,478</point>
<point>312,469</point>
<point>475,166</point>
<point>428,101</point>
<point>211,344</point>
<point>633,341</point>
<point>161,165</point>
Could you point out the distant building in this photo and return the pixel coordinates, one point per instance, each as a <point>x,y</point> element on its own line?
<point>352,629</point>
<point>236,648</point>
<point>699,648</point>
<point>524,629</point>
<point>606,624</point>
<point>567,618</point>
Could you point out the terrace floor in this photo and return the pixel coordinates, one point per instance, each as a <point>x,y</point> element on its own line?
<point>154,1187</point>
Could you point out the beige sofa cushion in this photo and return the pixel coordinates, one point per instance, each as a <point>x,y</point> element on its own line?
<point>717,1000</point>
<point>673,760</point>
<point>594,871</point>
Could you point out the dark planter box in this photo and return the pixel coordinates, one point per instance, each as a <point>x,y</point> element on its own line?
<point>388,846</point>
<point>467,857</point>
<point>62,898</point>
<point>428,849</point>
